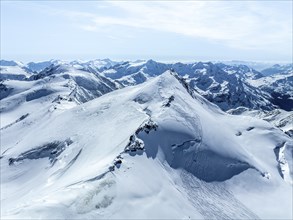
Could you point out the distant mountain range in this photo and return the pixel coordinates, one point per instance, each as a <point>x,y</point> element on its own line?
<point>228,86</point>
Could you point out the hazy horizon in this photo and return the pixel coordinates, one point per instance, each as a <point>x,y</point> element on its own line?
<point>146,59</point>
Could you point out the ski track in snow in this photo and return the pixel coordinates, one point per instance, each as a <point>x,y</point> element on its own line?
<point>213,200</point>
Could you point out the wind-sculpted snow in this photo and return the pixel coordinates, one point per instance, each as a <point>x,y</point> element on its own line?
<point>50,150</point>
<point>187,151</point>
<point>135,152</point>
<point>207,165</point>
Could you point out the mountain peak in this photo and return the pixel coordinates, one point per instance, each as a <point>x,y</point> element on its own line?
<point>11,63</point>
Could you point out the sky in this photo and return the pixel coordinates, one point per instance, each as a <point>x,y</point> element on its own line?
<point>159,30</point>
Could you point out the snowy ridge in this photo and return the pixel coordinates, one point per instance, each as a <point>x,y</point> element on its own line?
<point>136,146</point>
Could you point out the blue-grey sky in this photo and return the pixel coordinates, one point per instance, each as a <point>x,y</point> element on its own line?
<point>161,30</point>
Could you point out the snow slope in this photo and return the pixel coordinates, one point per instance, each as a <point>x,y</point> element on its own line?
<point>13,70</point>
<point>278,118</point>
<point>155,150</point>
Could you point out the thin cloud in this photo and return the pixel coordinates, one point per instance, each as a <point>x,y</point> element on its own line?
<point>243,25</point>
<point>250,29</point>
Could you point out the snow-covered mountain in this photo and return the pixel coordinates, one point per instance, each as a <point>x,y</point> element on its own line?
<point>56,88</point>
<point>105,139</point>
<point>278,69</point>
<point>228,86</point>
<point>221,84</point>
<point>259,66</point>
<point>280,88</point>
<point>136,152</point>
<point>13,70</point>
<point>78,64</point>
